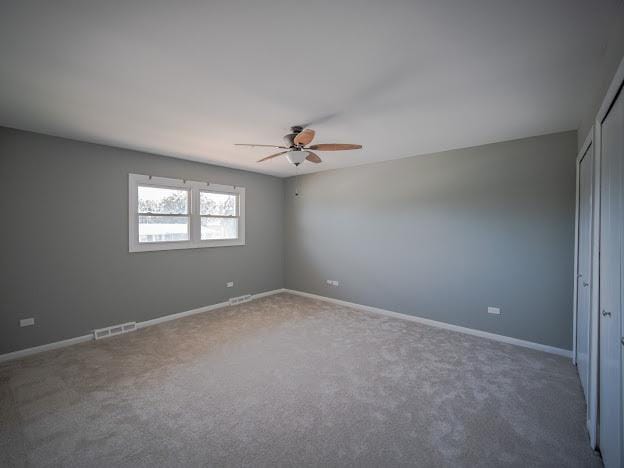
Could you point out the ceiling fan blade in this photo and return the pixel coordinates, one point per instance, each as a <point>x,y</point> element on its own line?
<point>334,147</point>
<point>253,144</point>
<point>305,137</point>
<point>272,156</point>
<point>312,157</point>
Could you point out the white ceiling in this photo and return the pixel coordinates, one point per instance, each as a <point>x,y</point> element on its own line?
<point>190,78</point>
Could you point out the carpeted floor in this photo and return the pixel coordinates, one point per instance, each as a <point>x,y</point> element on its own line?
<point>290,381</point>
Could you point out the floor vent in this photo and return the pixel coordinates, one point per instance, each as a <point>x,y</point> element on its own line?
<point>240,299</point>
<point>114,330</point>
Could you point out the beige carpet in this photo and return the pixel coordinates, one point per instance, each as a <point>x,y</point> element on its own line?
<point>289,381</point>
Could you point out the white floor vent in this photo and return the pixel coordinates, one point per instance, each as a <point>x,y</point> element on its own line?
<point>240,299</point>
<point>114,330</point>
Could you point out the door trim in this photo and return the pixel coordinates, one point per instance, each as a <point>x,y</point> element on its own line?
<point>581,154</point>
<point>590,416</point>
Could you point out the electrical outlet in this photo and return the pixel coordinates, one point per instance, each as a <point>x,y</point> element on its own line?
<point>229,284</point>
<point>494,310</point>
<point>27,322</point>
<point>332,282</point>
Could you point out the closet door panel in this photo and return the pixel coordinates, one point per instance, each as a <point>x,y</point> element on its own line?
<point>611,214</point>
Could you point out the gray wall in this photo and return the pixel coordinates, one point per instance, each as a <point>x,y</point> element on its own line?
<point>440,236</point>
<point>612,56</point>
<point>446,235</point>
<point>64,236</point>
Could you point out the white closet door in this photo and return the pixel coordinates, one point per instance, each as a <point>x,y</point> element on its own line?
<point>612,179</point>
<point>583,303</point>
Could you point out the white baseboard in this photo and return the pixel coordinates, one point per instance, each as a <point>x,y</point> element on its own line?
<point>269,293</point>
<point>179,315</point>
<point>470,331</point>
<point>81,339</point>
<point>46,347</point>
<point>200,310</point>
<point>446,326</point>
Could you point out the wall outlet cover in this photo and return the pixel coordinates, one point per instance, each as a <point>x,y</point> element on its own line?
<point>229,284</point>
<point>27,322</point>
<point>494,310</point>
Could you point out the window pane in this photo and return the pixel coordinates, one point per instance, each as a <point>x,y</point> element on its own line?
<point>220,204</point>
<point>163,200</point>
<point>219,228</point>
<point>163,228</point>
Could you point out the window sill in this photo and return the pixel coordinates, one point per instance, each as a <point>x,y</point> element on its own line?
<point>155,246</point>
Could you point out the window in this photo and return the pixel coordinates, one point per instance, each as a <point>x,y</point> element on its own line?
<point>177,214</point>
<point>163,214</point>
<point>219,215</point>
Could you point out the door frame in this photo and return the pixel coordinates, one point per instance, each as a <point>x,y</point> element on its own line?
<point>592,406</point>
<point>592,400</point>
<point>581,155</point>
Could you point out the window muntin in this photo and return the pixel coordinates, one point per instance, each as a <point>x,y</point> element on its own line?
<point>178,214</point>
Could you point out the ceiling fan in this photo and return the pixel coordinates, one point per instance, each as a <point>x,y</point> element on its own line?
<point>296,147</point>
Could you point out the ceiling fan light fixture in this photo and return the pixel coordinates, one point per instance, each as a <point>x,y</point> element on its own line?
<point>297,157</point>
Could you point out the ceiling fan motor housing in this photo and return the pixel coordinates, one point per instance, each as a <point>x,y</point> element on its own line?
<point>290,138</point>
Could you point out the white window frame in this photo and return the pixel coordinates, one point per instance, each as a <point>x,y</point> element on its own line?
<point>194,188</point>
